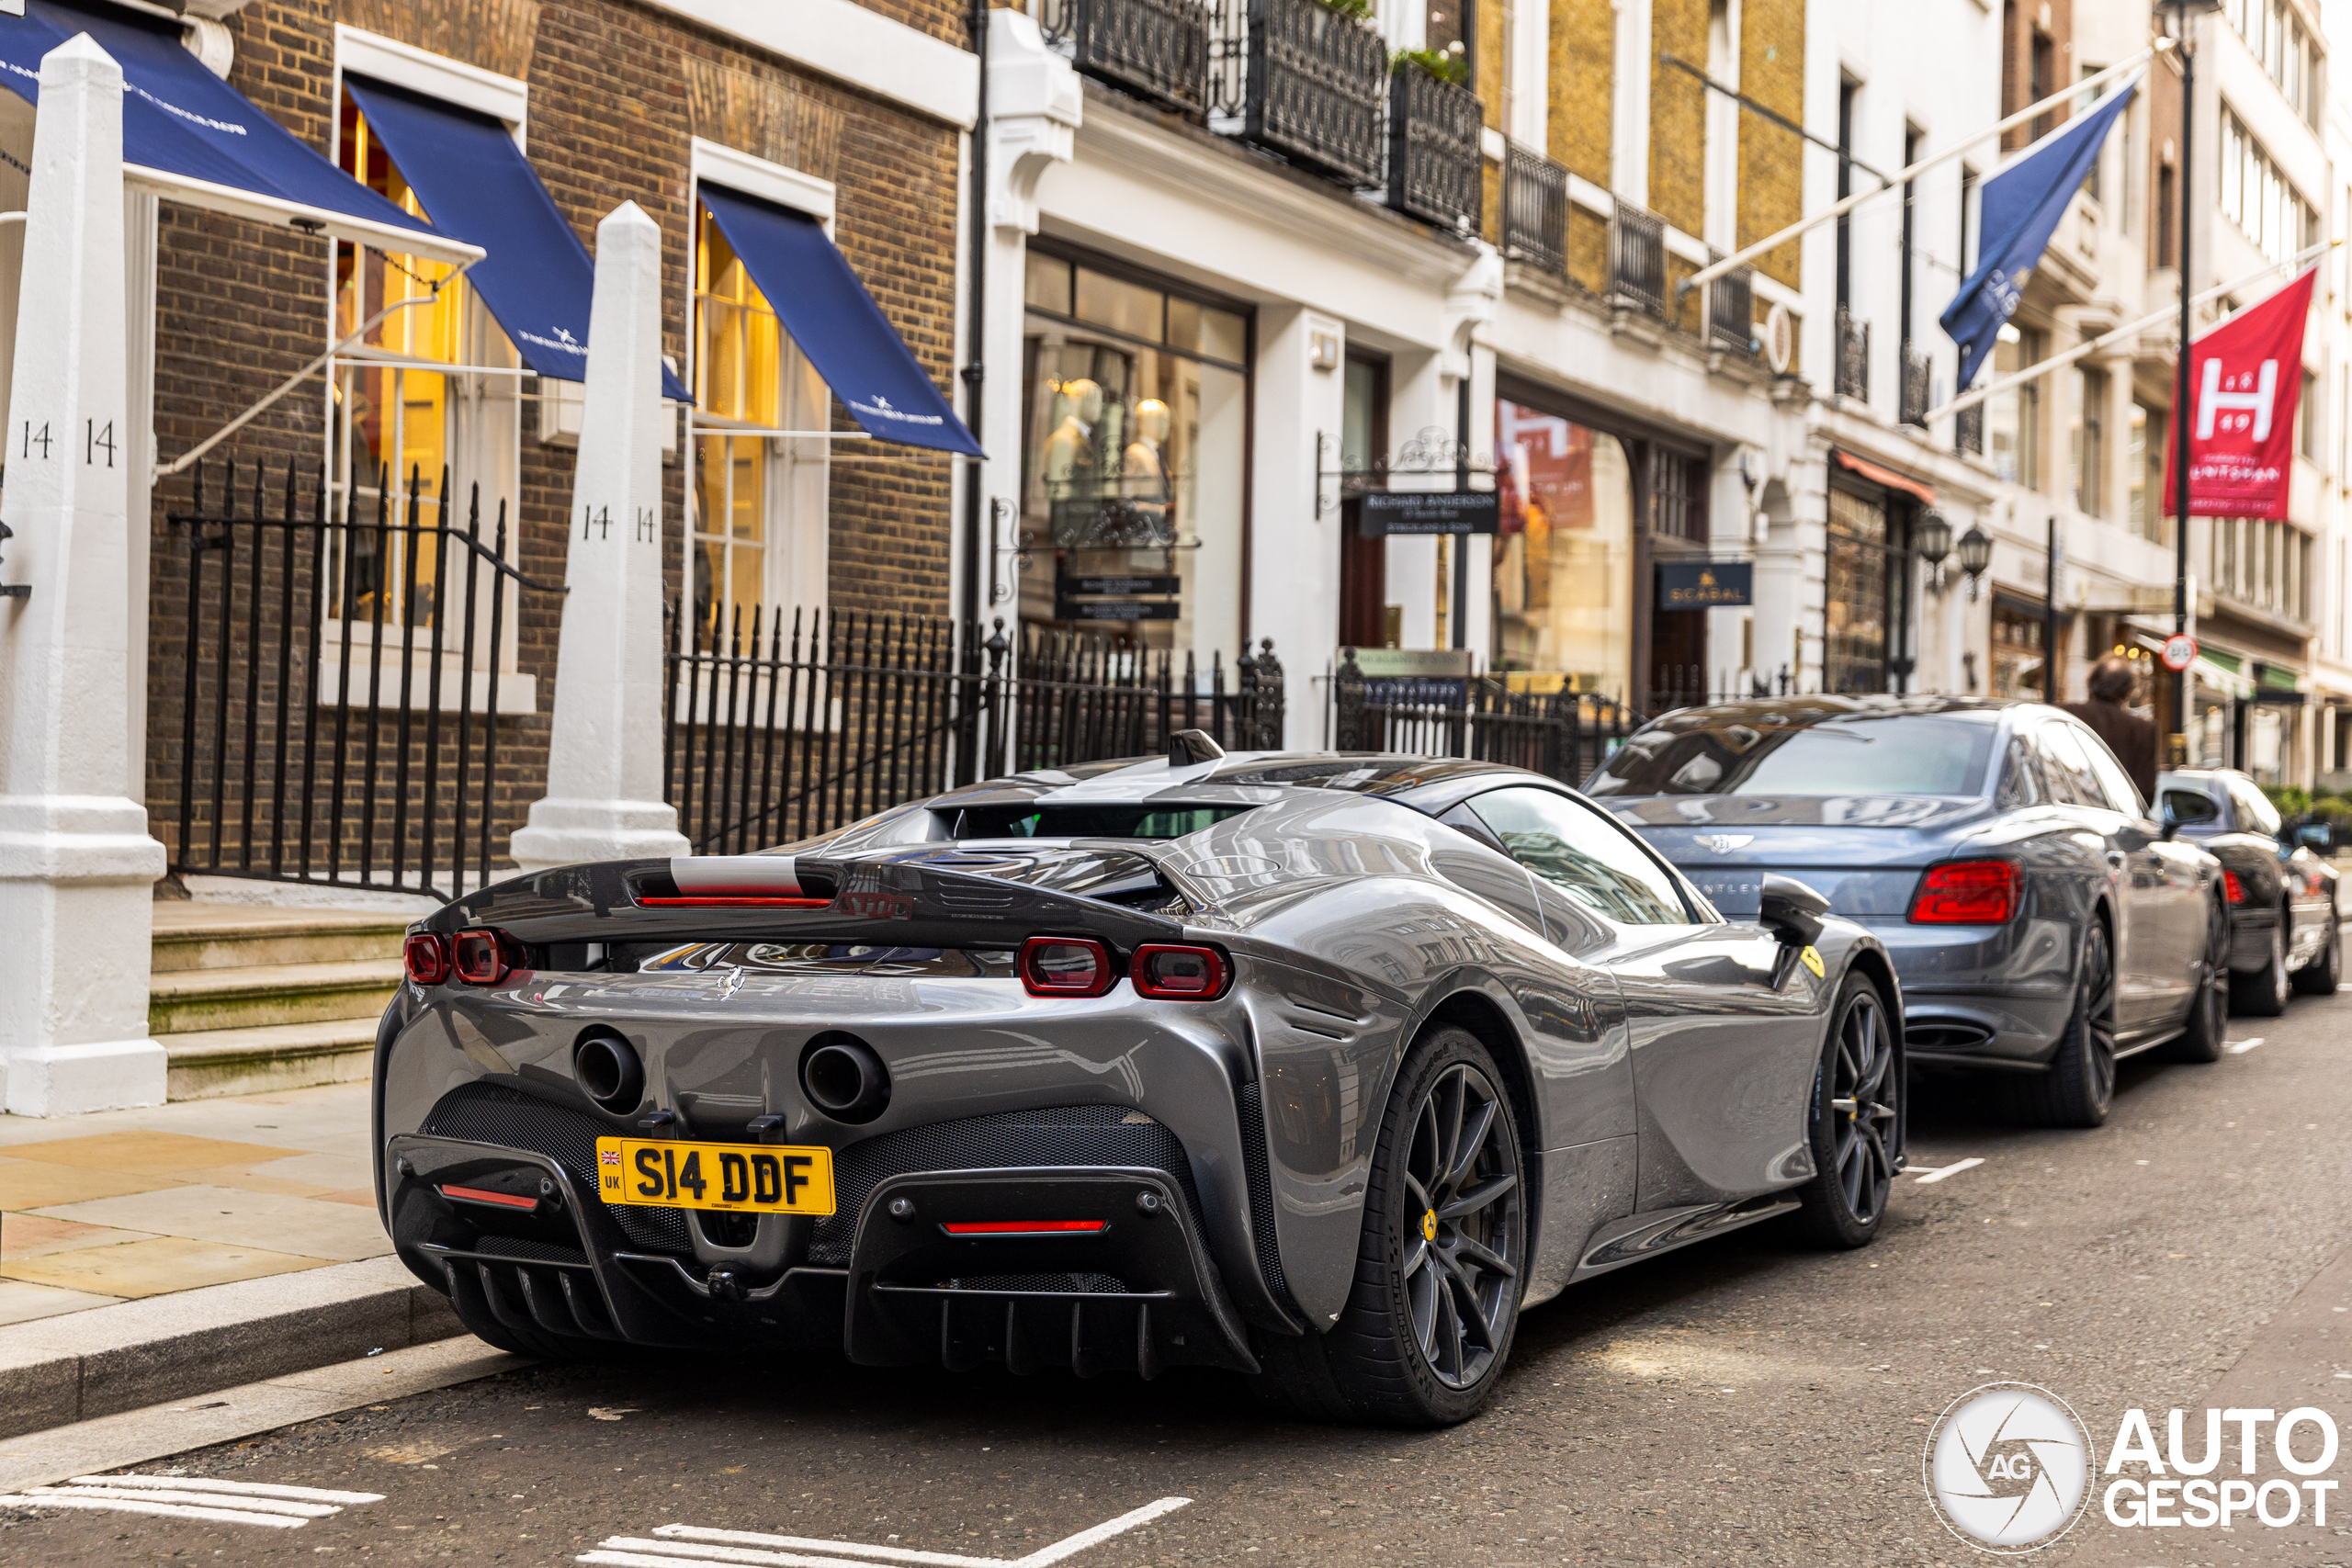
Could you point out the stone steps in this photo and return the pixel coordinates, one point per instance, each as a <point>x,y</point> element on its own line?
<point>245,1000</point>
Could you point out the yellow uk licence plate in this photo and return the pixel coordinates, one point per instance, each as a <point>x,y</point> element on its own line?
<point>743,1179</point>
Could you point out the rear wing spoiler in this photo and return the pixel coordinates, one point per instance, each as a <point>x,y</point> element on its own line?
<point>887,899</point>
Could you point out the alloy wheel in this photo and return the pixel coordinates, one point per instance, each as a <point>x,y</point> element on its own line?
<point>1862,1097</point>
<point>1462,1233</point>
<point>2098,1018</point>
<point>2215,996</point>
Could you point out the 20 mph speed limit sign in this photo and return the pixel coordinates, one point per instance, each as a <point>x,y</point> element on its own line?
<point>2180,652</point>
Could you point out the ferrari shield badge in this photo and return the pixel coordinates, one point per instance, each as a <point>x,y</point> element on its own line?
<point>1811,959</point>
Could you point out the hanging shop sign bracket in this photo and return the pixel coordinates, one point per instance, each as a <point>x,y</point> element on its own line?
<point>1431,454</point>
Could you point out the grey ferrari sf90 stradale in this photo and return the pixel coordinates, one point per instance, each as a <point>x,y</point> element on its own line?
<point>1316,1067</point>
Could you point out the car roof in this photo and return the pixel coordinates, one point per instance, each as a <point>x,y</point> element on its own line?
<point>1824,708</point>
<point>1433,784</point>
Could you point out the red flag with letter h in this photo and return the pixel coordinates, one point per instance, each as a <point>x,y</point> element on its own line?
<point>2245,379</point>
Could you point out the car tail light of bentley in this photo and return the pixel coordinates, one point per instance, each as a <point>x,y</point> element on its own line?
<point>1966,893</point>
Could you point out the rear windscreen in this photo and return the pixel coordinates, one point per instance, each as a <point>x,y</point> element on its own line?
<point>1860,754</point>
<point>1136,820</point>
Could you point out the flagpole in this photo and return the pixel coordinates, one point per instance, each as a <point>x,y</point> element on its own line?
<point>2059,361</point>
<point>2185,14</point>
<point>1890,182</point>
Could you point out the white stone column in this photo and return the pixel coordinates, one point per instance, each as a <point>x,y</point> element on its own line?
<point>77,866</point>
<point>604,799</point>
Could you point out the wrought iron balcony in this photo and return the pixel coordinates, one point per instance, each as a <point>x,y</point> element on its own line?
<point>1914,388</point>
<point>1436,169</point>
<point>1637,257</point>
<point>1853,357</point>
<point>1535,208</point>
<point>1155,49</point>
<point>1731,310</point>
<point>1298,78</point>
<point>1968,430</point>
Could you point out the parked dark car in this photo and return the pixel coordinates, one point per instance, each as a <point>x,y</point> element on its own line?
<point>2280,893</point>
<point>1317,1068</point>
<point>2042,924</point>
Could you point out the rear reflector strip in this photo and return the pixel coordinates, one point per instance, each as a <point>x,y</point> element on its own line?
<point>481,1195</point>
<point>1025,1227</point>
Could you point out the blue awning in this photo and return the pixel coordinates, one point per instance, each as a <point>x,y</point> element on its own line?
<point>808,284</point>
<point>188,134</point>
<point>475,184</point>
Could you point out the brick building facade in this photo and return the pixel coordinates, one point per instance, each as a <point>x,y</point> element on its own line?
<point>619,94</point>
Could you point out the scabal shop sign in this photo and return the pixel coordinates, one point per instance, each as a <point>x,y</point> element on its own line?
<point>2245,378</point>
<point>1704,584</point>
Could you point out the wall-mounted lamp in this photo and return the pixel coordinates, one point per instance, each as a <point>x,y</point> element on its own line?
<point>1976,555</point>
<point>1932,537</point>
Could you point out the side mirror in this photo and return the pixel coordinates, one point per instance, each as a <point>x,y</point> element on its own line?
<point>2167,821</point>
<point>1791,911</point>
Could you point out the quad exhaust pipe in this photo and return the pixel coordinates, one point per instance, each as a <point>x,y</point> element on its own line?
<point>843,1078</point>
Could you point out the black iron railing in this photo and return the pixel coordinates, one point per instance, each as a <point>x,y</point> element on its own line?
<point>1298,78</point>
<point>1968,430</point>
<point>1436,168</point>
<point>780,727</point>
<point>1564,735</point>
<point>1535,208</point>
<point>1731,310</point>
<point>1915,366</point>
<point>1159,49</point>
<point>1853,357</point>
<point>291,764</point>
<point>1637,257</point>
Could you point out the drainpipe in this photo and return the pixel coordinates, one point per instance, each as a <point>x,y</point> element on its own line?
<point>976,301</point>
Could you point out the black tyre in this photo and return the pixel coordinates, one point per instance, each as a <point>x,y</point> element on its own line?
<point>2325,971</point>
<point>2080,1083</point>
<point>1856,1126</point>
<point>2263,993</point>
<point>2208,1009</point>
<point>1429,1320</point>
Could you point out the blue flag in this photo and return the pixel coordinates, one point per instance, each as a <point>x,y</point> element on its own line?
<point>2021,207</point>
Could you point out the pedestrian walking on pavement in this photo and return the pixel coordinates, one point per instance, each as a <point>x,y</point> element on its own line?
<point>2130,736</point>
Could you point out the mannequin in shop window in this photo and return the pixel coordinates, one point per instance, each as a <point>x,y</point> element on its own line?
<point>1143,475</point>
<point>1073,476</point>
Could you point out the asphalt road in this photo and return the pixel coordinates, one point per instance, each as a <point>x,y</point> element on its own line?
<point>1743,1401</point>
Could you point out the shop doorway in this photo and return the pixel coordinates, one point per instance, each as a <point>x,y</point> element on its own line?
<point>1366,618</point>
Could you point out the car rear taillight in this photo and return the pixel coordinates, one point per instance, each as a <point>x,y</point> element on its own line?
<point>1025,1227</point>
<point>426,956</point>
<point>1966,893</point>
<point>485,956</point>
<point>2232,888</point>
<point>1178,973</point>
<point>1065,966</point>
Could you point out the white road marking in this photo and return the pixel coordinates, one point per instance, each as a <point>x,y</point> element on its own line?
<point>166,1510</point>
<point>192,1498</point>
<point>610,1413</point>
<point>677,1544</point>
<point>2239,1047</point>
<point>1952,1169</point>
<point>242,1488</point>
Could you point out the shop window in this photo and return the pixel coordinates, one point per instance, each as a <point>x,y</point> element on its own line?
<point>1859,607</point>
<point>749,542</point>
<point>1134,459</point>
<point>1564,556</point>
<point>399,422</point>
<point>2016,650</point>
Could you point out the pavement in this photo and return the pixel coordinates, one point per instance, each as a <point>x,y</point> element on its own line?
<point>1742,1400</point>
<point>126,1206</point>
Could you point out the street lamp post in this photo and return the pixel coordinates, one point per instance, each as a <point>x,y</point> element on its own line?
<point>2183,17</point>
